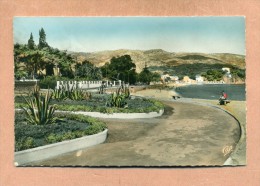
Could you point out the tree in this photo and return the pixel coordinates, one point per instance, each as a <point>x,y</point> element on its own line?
<point>156,77</point>
<point>19,72</point>
<point>65,62</point>
<point>120,68</point>
<point>88,70</point>
<point>42,39</point>
<point>213,75</point>
<point>31,44</point>
<point>106,71</point>
<point>33,60</point>
<point>238,73</point>
<point>19,68</point>
<point>145,76</point>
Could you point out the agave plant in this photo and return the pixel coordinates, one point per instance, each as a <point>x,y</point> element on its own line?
<point>67,90</point>
<point>124,90</point>
<point>127,92</point>
<point>77,95</point>
<point>73,93</point>
<point>59,94</point>
<point>39,111</point>
<point>36,91</point>
<point>117,99</point>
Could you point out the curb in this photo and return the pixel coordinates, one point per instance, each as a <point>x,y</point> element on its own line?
<point>118,115</point>
<point>52,150</point>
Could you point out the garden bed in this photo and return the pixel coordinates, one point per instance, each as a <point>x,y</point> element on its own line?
<point>66,127</point>
<point>118,115</point>
<point>98,104</point>
<point>49,151</point>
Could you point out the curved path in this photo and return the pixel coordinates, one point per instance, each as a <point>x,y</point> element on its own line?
<point>186,134</point>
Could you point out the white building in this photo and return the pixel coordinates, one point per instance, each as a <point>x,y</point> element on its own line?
<point>174,78</point>
<point>167,77</point>
<point>199,78</point>
<point>227,70</point>
<point>186,79</point>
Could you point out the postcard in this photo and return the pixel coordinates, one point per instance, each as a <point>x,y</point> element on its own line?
<point>129,91</point>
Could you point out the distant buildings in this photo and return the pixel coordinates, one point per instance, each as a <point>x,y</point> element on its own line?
<point>227,70</point>
<point>199,78</point>
<point>164,77</point>
<point>186,79</point>
<point>167,78</point>
<point>174,78</point>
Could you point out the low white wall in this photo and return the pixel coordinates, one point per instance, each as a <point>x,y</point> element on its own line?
<point>86,84</point>
<point>118,115</point>
<point>52,150</point>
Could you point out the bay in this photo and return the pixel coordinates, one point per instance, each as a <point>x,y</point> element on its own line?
<point>213,91</point>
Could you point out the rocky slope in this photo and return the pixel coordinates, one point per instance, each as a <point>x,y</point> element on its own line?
<point>158,57</point>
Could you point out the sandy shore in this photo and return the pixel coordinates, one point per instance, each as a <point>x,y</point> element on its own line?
<point>156,93</point>
<point>236,108</point>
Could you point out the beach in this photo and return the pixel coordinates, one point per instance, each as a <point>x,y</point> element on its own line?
<point>156,93</point>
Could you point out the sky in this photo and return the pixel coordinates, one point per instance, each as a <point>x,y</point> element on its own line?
<point>172,34</point>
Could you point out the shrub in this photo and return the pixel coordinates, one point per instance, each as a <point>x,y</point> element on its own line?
<point>25,143</point>
<point>101,89</point>
<point>95,128</point>
<point>48,82</point>
<point>75,108</point>
<point>19,74</point>
<point>54,138</point>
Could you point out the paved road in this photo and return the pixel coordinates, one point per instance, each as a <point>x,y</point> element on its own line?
<point>186,134</point>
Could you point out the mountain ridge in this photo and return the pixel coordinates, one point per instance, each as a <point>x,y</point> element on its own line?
<point>159,57</point>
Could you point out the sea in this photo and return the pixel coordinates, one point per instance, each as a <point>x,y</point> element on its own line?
<point>213,91</point>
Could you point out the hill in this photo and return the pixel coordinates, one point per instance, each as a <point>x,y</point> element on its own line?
<point>158,60</point>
